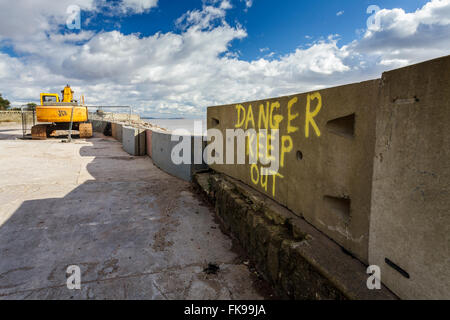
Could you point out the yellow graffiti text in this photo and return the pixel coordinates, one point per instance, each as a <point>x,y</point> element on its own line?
<point>260,176</point>
<point>310,115</point>
<point>286,146</point>
<point>292,117</point>
<point>240,111</point>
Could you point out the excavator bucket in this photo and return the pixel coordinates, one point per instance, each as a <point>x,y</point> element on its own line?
<point>39,132</point>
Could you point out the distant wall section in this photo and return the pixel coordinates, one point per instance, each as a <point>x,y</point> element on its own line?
<point>15,116</point>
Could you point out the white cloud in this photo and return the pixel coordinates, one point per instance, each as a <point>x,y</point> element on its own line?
<point>394,63</point>
<point>24,18</point>
<point>183,73</point>
<point>204,18</point>
<point>340,13</point>
<point>409,37</point>
<point>138,6</point>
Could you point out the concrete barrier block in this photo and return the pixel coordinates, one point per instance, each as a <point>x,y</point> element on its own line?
<point>134,141</point>
<point>326,143</point>
<point>162,151</point>
<point>99,125</point>
<point>149,142</point>
<point>117,131</point>
<point>162,156</point>
<point>409,225</point>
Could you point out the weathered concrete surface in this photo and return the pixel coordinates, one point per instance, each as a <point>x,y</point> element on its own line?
<point>114,116</point>
<point>410,219</point>
<point>134,141</point>
<point>297,259</point>
<point>135,231</point>
<point>149,134</point>
<point>325,172</point>
<point>116,129</point>
<point>163,152</point>
<point>10,131</point>
<point>15,116</point>
<point>98,125</point>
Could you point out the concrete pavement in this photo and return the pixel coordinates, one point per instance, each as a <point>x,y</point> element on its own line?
<point>135,231</point>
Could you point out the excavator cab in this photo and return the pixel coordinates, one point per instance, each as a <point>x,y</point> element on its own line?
<point>47,98</point>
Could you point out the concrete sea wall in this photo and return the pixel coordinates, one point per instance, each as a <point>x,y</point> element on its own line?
<point>294,257</point>
<point>410,213</point>
<point>117,129</point>
<point>134,140</point>
<point>327,143</point>
<point>149,134</point>
<point>162,150</point>
<point>158,145</point>
<point>15,116</point>
<point>98,125</point>
<point>113,117</point>
<point>363,167</point>
<point>366,164</point>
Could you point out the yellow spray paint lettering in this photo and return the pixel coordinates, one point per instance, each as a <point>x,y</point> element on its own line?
<point>275,175</point>
<point>310,115</point>
<point>240,122</point>
<point>261,142</point>
<point>250,142</point>
<point>264,116</point>
<point>250,117</point>
<point>275,120</point>
<point>261,137</point>
<point>292,117</point>
<point>255,179</point>
<point>264,180</point>
<point>259,176</point>
<point>286,146</point>
<point>270,148</point>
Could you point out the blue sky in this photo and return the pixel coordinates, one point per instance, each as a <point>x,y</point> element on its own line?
<point>280,28</point>
<point>173,58</point>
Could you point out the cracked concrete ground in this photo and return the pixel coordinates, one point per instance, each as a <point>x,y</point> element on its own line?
<point>135,231</point>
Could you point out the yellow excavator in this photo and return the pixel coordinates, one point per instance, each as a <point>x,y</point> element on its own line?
<point>64,114</point>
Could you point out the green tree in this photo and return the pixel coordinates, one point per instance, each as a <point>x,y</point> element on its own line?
<point>31,105</point>
<point>4,104</point>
